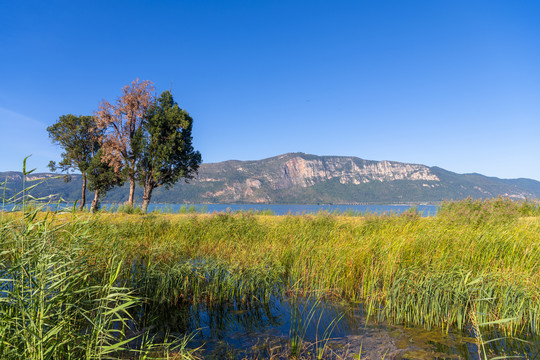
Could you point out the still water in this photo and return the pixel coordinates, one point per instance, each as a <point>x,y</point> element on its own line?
<point>276,209</point>
<point>341,330</point>
<point>294,209</point>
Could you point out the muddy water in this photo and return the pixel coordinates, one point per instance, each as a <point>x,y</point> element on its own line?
<point>341,330</point>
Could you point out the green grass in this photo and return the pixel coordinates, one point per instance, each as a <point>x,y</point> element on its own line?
<point>54,304</point>
<point>406,269</point>
<point>475,263</point>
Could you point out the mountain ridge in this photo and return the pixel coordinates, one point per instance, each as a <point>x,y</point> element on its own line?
<point>299,178</point>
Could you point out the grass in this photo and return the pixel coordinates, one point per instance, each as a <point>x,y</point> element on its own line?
<point>406,269</point>
<point>54,304</point>
<point>101,280</point>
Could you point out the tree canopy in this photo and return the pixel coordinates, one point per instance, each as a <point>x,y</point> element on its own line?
<point>77,136</point>
<point>122,124</point>
<point>167,152</point>
<point>138,138</point>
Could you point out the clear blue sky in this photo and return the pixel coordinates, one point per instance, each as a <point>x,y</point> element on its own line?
<point>454,84</point>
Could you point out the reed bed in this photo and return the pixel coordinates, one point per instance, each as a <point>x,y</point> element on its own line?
<point>475,264</point>
<point>55,304</point>
<point>478,257</point>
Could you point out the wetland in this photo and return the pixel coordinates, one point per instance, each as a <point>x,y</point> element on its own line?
<point>462,284</point>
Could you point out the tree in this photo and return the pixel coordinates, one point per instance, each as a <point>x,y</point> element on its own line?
<point>167,151</point>
<point>123,129</point>
<point>101,178</point>
<point>77,136</point>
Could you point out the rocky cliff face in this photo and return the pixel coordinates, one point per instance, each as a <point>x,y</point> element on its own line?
<point>18,177</point>
<point>298,171</point>
<point>258,181</point>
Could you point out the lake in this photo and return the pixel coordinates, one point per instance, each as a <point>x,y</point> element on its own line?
<point>277,209</point>
<point>284,209</point>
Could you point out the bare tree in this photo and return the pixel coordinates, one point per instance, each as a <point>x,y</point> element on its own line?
<point>122,145</point>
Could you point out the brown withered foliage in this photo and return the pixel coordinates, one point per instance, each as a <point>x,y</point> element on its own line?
<point>122,120</point>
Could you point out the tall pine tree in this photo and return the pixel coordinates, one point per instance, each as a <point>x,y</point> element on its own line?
<point>167,150</point>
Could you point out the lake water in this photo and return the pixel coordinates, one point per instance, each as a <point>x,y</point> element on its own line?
<point>294,209</point>
<point>276,209</point>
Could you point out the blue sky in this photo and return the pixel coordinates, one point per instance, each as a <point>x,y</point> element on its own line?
<point>454,84</point>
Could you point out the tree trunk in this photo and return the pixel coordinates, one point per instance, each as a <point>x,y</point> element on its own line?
<point>147,195</point>
<point>83,193</point>
<point>95,202</point>
<point>131,191</point>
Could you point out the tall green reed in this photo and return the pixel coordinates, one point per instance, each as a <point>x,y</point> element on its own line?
<point>403,267</point>
<point>406,269</point>
<point>53,303</point>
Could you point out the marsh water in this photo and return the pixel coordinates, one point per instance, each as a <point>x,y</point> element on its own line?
<point>273,330</point>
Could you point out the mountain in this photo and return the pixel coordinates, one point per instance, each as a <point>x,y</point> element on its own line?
<point>300,178</point>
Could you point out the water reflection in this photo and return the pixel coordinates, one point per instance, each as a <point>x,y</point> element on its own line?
<point>254,329</point>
